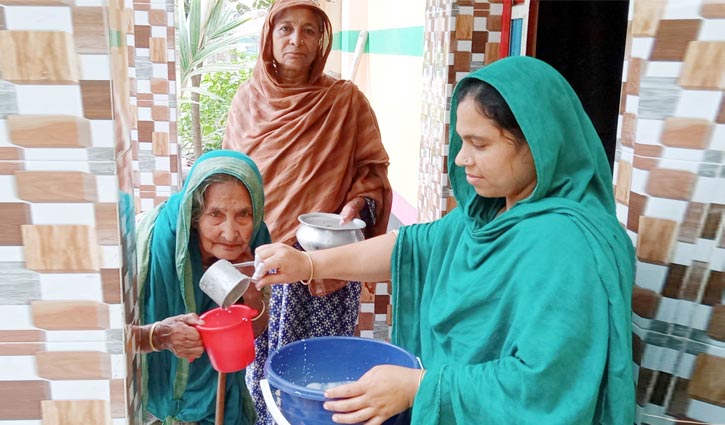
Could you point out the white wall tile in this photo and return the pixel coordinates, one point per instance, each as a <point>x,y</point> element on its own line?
<point>28,422</point>
<point>631,104</point>
<point>90,2</point>
<point>56,154</point>
<point>7,190</point>
<point>18,368</point>
<point>717,142</point>
<point>111,257</point>
<point>49,100</point>
<point>15,317</point>
<point>143,86</point>
<point>683,9</point>
<point>38,18</point>
<point>683,312</point>
<point>63,213</point>
<point>102,133</point>
<point>670,209</point>
<point>118,366</point>
<point>117,316</point>
<point>162,163</point>
<point>642,46</point>
<point>74,286</point>
<point>4,136</point>
<point>80,390</point>
<point>159,32</point>
<point>709,190</point>
<point>705,412</point>
<point>712,30</point>
<point>660,358</point>
<point>141,17</point>
<point>651,276</point>
<point>76,346</point>
<point>682,154</point>
<point>161,126</point>
<point>160,70</point>
<point>96,67</point>
<point>676,164</point>
<point>12,253</point>
<point>663,69</point>
<point>649,131</point>
<point>77,336</point>
<point>698,104</point>
<point>57,166</point>
<point>107,188</point>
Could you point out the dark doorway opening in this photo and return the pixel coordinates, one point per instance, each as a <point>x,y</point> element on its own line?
<point>584,40</point>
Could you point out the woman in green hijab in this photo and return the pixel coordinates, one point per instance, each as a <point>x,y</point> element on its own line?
<point>517,301</point>
<point>217,215</point>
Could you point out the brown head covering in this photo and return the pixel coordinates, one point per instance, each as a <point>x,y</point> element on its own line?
<point>317,145</point>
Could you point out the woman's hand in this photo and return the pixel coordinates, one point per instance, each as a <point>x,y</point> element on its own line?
<point>352,210</point>
<point>178,334</point>
<point>381,392</point>
<point>280,263</point>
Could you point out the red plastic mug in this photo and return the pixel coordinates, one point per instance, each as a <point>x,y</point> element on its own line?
<point>228,337</point>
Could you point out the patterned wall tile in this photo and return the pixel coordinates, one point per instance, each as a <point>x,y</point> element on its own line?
<point>56,186</point>
<point>70,315</point>
<point>14,215</point>
<point>44,131</point>
<point>20,400</point>
<point>61,248</point>
<point>66,412</point>
<point>38,57</point>
<point>89,30</point>
<point>673,37</point>
<point>73,365</point>
<point>702,68</point>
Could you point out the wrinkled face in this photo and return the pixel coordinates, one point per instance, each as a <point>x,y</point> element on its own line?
<point>225,226</point>
<point>295,39</point>
<point>495,166</point>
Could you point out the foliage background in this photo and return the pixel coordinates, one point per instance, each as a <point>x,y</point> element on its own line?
<point>214,109</point>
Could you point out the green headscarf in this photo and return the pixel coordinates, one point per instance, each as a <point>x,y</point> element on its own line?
<point>523,318</point>
<point>170,266</point>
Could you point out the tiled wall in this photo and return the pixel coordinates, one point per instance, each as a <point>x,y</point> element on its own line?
<point>156,153</point>
<point>67,250</point>
<point>670,190</point>
<point>460,37</point>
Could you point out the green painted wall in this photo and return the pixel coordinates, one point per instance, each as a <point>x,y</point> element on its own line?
<point>395,41</point>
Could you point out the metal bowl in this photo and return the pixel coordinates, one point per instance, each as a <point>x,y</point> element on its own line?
<point>323,230</point>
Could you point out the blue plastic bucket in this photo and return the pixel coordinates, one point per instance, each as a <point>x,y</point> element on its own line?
<point>299,369</point>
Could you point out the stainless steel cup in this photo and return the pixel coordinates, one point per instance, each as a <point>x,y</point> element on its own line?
<point>223,283</point>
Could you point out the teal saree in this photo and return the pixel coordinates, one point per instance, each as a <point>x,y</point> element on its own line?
<point>169,264</point>
<point>524,317</point>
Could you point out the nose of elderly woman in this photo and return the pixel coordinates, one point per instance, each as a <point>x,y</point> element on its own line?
<point>230,231</point>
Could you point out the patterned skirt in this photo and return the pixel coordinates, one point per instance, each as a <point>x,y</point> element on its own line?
<point>295,314</point>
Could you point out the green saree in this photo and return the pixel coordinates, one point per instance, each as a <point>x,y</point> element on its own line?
<point>169,263</point>
<point>523,318</point>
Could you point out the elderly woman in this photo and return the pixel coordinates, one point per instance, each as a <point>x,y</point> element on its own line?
<point>217,215</point>
<point>317,142</point>
<point>517,301</point>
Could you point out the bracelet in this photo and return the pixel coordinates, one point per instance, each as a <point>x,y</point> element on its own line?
<point>420,379</point>
<point>312,268</point>
<point>151,337</point>
<point>264,307</point>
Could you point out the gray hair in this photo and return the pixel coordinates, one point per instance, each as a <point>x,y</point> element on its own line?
<point>198,202</point>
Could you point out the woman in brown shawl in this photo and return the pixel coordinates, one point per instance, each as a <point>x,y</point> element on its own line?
<point>317,143</point>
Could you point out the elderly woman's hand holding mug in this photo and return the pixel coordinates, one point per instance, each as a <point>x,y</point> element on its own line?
<point>178,334</point>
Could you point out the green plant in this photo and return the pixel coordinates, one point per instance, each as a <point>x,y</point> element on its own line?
<point>213,109</point>
<point>205,32</point>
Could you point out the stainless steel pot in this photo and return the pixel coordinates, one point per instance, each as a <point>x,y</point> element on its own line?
<point>323,230</point>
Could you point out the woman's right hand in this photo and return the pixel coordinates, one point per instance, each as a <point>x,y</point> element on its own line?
<point>179,335</point>
<point>280,263</point>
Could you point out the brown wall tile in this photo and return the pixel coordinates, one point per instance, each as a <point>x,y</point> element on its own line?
<point>61,248</point>
<point>46,131</point>
<point>673,36</point>
<point>74,412</point>
<point>157,50</point>
<point>160,113</point>
<point>708,380</point>
<point>692,223</point>
<point>70,315</point>
<point>674,280</point>
<point>690,133</point>
<point>647,15</point>
<point>671,184</point>
<point>637,204</point>
<point>142,34</point>
<point>645,302</point>
<point>655,239</point>
<point>38,57</point>
<point>20,349</point>
<point>493,23</point>
<point>107,227</point>
<point>634,76</point>
<point>96,96</point>
<point>704,66</point>
<point>111,282</point>
<point>715,215</point>
<point>73,365</point>
<point>624,182</point>
<point>713,9</point>
<point>21,399</point>
<point>464,28</point>
<point>162,178</point>
<point>89,30</point>
<point>10,153</point>
<point>118,397</point>
<point>645,163</point>
<point>642,149</point>
<point>629,129</point>
<point>462,61</point>
<point>715,288</point>
<point>158,18</point>
<point>56,186</point>
<point>13,216</point>
<point>160,143</point>
<point>716,327</point>
<point>22,336</point>
<point>159,86</point>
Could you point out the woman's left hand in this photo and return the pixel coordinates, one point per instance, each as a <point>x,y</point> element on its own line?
<point>352,210</point>
<point>380,393</point>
